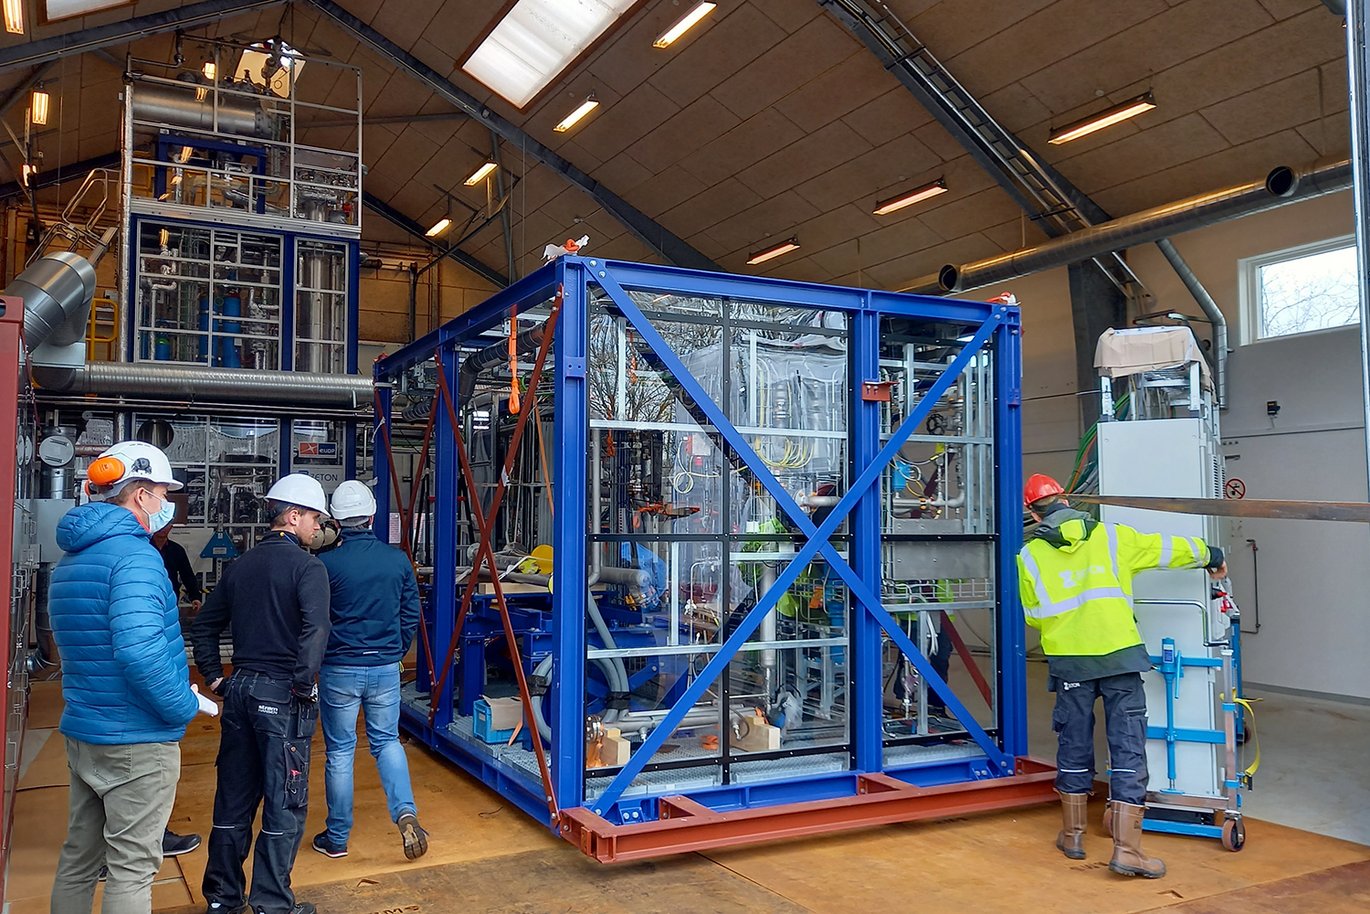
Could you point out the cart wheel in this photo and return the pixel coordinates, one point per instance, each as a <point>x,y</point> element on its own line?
<point>1108,819</point>
<point>1234,834</point>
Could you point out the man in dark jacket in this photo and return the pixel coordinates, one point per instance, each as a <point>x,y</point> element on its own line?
<point>275,597</point>
<point>374,605</point>
<point>124,680</point>
<point>183,577</point>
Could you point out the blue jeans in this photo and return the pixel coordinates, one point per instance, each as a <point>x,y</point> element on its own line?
<point>342,691</point>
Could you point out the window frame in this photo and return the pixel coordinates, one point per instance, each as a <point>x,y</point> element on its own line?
<point>1249,286</point>
<point>45,19</point>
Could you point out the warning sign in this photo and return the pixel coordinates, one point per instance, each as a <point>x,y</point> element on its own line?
<point>1235,488</point>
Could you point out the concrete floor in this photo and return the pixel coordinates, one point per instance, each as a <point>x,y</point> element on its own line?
<point>1313,773</point>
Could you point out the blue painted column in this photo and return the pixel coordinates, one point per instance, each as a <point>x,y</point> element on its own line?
<point>569,575</point>
<point>380,462</point>
<point>446,513</point>
<point>1008,519</point>
<point>863,435</point>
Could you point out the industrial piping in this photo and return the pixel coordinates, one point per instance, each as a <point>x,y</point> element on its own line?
<point>1282,186</point>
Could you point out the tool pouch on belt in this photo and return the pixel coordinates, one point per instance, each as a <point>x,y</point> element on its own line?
<point>303,716</point>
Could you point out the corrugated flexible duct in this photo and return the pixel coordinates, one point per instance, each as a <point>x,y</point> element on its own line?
<point>219,385</point>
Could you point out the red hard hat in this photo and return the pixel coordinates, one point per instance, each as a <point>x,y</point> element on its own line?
<point>1040,486</point>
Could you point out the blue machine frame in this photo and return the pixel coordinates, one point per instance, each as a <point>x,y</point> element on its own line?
<point>995,328</point>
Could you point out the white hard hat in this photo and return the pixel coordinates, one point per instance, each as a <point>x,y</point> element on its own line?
<point>351,499</point>
<point>300,490</point>
<point>127,462</point>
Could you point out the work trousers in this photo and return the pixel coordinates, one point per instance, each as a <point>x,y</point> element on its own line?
<point>263,759</point>
<point>121,798</point>
<point>1125,725</point>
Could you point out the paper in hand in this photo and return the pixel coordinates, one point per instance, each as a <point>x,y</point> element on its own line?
<point>207,706</point>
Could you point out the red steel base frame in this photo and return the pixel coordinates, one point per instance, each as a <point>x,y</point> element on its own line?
<point>686,825</point>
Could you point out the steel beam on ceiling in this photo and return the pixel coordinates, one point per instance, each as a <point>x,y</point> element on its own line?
<point>194,15</point>
<point>395,217</point>
<point>647,230</point>
<point>60,175</point>
<point>1056,205</point>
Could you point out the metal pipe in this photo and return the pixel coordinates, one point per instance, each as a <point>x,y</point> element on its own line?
<point>1282,186</point>
<point>1358,71</point>
<point>216,385</point>
<point>1210,309</point>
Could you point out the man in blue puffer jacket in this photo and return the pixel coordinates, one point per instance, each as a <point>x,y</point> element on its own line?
<point>124,680</point>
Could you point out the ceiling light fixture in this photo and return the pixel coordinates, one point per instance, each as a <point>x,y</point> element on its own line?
<point>14,17</point>
<point>774,251</point>
<point>536,41</point>
<point>576,116</point>
<point>687,22</point>
<point>1106,118</point>
<point>210,70</point>
<point>908,198</point>
<point>438,227</point>
<point>480,174</point>
<point>38,106</point>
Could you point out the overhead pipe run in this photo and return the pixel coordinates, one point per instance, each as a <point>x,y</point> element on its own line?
<point>1282,186</point>
<point>141,380</point>
<point>1210,309</point>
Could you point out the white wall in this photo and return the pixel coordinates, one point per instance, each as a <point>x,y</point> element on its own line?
<point>1314,577</point>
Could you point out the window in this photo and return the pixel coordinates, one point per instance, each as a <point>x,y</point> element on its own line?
<point>1312,287</point>
<point>65,9</point>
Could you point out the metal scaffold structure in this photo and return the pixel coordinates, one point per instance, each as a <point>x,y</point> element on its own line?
<point>714,559</point>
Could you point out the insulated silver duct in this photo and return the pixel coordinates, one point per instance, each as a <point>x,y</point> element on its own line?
<point>1282,186</point>
<point>218,385</point>
<point>179,107</point>
<point>57,291</point>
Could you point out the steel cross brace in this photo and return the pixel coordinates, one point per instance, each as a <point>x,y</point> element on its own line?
<point>484,525</point>
<point>818,537</point>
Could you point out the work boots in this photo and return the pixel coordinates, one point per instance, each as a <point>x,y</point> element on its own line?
<point>1074,811</point>
<point>1128,859</point>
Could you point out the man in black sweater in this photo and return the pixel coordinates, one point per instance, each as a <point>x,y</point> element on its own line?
<point>184,580</point>
<point>275,598</point>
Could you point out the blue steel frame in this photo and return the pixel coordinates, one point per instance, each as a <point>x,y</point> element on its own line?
<point>990,326</point>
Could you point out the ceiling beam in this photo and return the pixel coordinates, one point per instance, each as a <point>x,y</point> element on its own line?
<point>82,41</point>
<point>397,218</point>
<point>61,175</point>
<point>647,230</point>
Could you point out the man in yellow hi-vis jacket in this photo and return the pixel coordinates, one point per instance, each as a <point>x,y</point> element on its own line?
<point>1075,580</point>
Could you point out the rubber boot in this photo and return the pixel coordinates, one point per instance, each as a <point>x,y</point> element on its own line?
<point>1128,859</point>
<point>1074,813</point>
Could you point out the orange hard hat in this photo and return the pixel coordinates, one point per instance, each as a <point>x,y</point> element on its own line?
<point>1040,486</point>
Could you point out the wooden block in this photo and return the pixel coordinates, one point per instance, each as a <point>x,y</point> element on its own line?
<point>615,750</point>
<point>759,736</point>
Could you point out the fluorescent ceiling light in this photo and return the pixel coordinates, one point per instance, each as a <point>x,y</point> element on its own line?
<point>61,9</point>
<point>438,227</point>
<point>687,22</point>
<point>536,40</point>
<point>575,117</point>
<point>14,17</point>
<point>908,198</point>
<point>773,252</point>
<point>38,106</point>
<point>1107,118</point>
<point>480,174</point>
<point>210,70</point>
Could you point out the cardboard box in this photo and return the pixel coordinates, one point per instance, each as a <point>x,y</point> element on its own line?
<point>496,719</point>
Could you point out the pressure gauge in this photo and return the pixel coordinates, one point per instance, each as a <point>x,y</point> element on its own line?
<point>56,450</point>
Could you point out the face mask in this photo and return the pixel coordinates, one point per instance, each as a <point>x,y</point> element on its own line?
<point>165,515</point>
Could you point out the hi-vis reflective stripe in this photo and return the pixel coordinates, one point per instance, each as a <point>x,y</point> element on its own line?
<point>1167,550</point>
<point>1200,551</point>
<point>1035,574</point>
<point>1049,609</point>
<point>1112,532</point>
